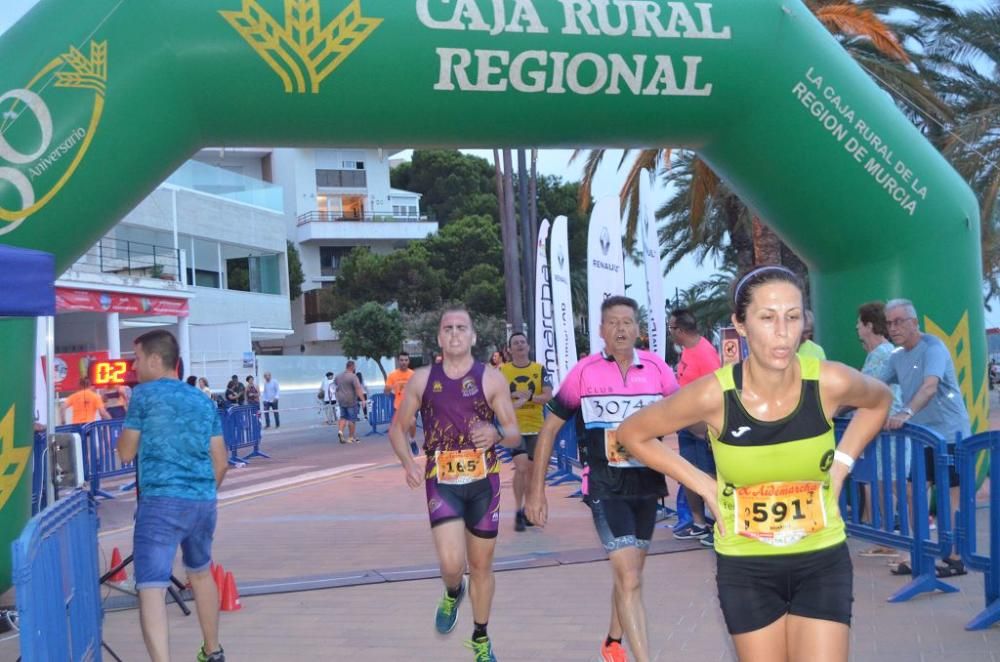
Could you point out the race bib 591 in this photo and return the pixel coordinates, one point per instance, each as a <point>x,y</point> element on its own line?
<point>780,513</point>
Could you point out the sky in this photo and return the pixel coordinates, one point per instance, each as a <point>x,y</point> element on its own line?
<point>556,162</point>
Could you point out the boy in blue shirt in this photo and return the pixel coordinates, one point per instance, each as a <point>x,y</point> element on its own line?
<point>176,433</point>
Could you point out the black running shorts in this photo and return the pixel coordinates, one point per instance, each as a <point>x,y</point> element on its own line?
<point>755,591</point>
<point>528,444</point>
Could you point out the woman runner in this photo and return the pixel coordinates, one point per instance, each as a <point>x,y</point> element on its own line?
<point>784,574</point>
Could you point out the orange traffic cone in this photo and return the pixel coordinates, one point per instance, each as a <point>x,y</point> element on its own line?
<point>116,560</point>
<point>230,595</point>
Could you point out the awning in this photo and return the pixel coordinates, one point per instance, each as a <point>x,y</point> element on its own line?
<point>28,280</point>
<point>73,300</point>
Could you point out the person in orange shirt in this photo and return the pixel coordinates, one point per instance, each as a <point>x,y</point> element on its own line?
<point>86,405</point>
<point>395,383</point>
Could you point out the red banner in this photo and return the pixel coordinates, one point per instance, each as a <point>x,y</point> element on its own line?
<point>68,300</point>
<point>70,366</point>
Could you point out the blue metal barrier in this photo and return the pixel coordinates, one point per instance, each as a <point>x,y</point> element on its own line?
<point>381,407</point>
<point>567,456</point>
<point>241,429</point>
<point>55,574</point>
<point>101,455</point>
<point>40,469</point>
<point>883,468</point>
<point>989,564</point>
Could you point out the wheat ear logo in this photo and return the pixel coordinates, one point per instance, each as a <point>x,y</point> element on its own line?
<point>302,52</point>
<point>38,154</point>
<point>13,460</point>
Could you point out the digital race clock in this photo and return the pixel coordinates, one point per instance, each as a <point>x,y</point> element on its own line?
<point>114,372</point>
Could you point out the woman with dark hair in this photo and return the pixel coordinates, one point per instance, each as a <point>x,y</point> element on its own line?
<point>873,332</point>
<point>784,573</point>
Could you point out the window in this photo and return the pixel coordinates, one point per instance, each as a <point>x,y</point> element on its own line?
<point>204,278</point>
<point>352,165</point>
<point>330,258</point>
<point>256,273</point>
<point>313,300</point>
<point>345,178</point>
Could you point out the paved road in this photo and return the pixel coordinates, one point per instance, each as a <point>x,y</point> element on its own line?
<point>318,510</point>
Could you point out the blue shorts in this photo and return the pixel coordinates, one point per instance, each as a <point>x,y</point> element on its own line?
<point>349,413</point>
<point>163,523</point>
<point>696,450</point>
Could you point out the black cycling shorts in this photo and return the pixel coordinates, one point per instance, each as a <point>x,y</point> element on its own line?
<point>528,444</point>
<point>755,591</point>
<point>624,521</point>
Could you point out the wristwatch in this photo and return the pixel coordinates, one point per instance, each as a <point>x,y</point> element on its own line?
<point>907,411</point>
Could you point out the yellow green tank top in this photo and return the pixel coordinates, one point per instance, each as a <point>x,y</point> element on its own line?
<point>774,476</point>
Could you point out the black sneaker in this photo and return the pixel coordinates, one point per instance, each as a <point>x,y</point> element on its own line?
<point>692,532</point>
<point>217,656</point>
<point>519,521</point>
<point>709,540</point>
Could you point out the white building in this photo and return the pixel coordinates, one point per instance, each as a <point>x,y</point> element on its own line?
<point>204,256</point>
<point>339,199</point>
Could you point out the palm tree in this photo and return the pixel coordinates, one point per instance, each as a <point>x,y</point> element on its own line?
<point>708,300</point>
<point>966,63</point>
<point>871,41</point>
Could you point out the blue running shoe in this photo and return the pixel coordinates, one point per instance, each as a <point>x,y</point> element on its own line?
<point>483,649</point>
<point>447,611</point>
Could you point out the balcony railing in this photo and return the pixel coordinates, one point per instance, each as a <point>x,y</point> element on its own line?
<point>223,183</point>
<point>356,217</point>
<point>131,258</point>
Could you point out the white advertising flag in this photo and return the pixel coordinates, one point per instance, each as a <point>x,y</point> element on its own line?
<point>562,300</point>
<point>545,332</point>
<point>655,304</point>
<point>605,264</point>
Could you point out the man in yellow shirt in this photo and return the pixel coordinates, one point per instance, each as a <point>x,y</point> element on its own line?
<point>530,389</point>
<point>395,383</point>
<point>86,405</point>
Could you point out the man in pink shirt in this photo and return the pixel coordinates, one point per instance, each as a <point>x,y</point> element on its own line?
<point>602,390</point>
<point>698,358</point>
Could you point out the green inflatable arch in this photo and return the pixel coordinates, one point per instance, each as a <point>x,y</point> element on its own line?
<point>100,100</point>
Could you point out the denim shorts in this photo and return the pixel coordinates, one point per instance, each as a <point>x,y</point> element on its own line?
<point>349,414</point>
<point>696,450</point>
<point>163,523</point>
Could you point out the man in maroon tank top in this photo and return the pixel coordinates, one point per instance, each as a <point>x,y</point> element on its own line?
<point>466,410</point>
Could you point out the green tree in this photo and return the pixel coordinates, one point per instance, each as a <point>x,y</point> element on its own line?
<point>295,274</point>
<point>371,331</point>
<point>358,282</point>
<point>481,289</point>
<point>408,278</point>
<point>452,184</point>
<point>464,244</point>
